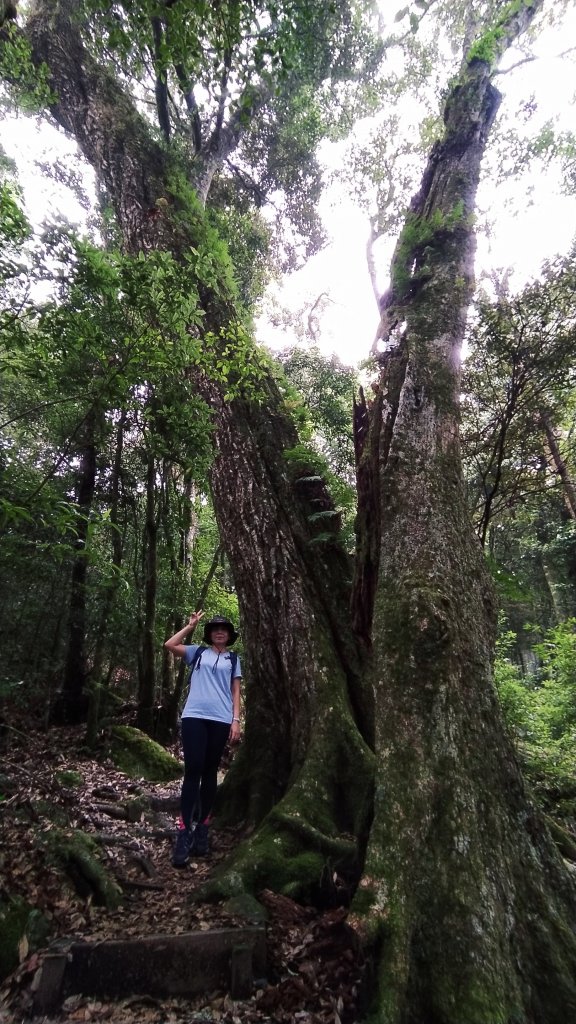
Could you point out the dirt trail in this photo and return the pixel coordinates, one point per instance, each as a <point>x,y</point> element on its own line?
<point>49,784</point>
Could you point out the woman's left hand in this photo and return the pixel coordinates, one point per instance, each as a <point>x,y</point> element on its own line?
<point>234,732</point>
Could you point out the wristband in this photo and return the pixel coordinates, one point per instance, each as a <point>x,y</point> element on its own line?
<point>236,720</point>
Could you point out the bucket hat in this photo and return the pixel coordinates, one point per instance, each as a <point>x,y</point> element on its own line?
<point>219,620</point>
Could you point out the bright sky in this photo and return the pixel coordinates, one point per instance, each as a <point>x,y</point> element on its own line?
<point>531,220</point>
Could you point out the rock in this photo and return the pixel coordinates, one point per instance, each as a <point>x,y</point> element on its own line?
<point>248,908</point>
<point>140,757</point>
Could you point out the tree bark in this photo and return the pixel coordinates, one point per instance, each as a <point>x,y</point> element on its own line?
<point>73,702</point>
<point>558,464</point>
<point>147,661</point>
<point>464,899</point>
<point>110,590</point>
<point>173,678</point>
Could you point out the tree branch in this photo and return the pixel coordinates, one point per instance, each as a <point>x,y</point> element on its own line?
<point>43,405</point>
<point>191,106</point>
<point>224,142</point>
<point>223,95</point>
<point>161,86</point>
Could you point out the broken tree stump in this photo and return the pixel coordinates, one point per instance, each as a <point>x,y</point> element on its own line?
<point>160,965</point>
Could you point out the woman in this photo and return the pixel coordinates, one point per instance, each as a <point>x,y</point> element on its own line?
<point>210,717</point>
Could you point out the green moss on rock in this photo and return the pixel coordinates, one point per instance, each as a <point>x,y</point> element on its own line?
<point>248,908</point>
<point>140,757</point>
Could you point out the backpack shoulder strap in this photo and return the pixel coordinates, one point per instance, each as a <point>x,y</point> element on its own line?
<point>196,659</point>
<point>233,663</point>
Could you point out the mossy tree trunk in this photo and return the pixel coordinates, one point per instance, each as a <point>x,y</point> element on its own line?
<point>304,693</point>
<point>464,899</point>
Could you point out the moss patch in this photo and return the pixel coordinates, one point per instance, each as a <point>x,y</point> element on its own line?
<point>70,779</point>
<point>79,855</point>
<point>271,859</point>
<point>140,757</point>
<point>248,908</point>
<point>489,46</point>
<point>19,921</point>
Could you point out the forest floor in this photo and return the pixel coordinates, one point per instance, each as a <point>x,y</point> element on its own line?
<point>313,975</point>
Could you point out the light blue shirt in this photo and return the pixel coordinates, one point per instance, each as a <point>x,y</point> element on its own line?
<point>210,693</point>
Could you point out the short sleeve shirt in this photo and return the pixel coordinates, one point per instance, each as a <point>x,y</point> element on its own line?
<point>210,693</point>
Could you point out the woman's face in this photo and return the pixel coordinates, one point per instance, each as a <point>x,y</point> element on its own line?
<point>219,636</point>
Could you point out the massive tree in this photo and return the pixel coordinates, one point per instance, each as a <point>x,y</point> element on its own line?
<point>453,838</point>
<point>377,756</point>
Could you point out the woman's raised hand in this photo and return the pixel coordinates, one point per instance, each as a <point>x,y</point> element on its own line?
<point>195,618</point>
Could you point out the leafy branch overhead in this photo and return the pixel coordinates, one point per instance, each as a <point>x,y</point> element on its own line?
<point>244,89</point>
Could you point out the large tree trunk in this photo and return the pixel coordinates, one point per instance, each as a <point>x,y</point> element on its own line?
<point>464,898</point>
<point>293,585</point>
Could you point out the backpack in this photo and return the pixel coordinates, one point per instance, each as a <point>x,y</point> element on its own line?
<point>198,657</point>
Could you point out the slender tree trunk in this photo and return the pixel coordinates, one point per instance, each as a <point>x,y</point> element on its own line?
<point>173,679</point>
<point>216,560</point>
<point>74,704</point>
<point>556,589</point>
<point>558,464</point>
<point>147,676</point>
<point>175,565</point>
<point>110,592</point>
<point>117,551</point>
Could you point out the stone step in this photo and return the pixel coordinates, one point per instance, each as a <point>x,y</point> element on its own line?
<point>159,965</point>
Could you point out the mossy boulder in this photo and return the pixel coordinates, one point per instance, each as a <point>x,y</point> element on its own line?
<point>19,923</point>
<point>140,757</point>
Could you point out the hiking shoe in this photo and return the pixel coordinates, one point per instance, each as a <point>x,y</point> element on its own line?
<point>182,847</point>
<point>201,842</point>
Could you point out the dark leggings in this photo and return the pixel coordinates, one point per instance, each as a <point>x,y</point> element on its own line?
<point>203,743</point>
